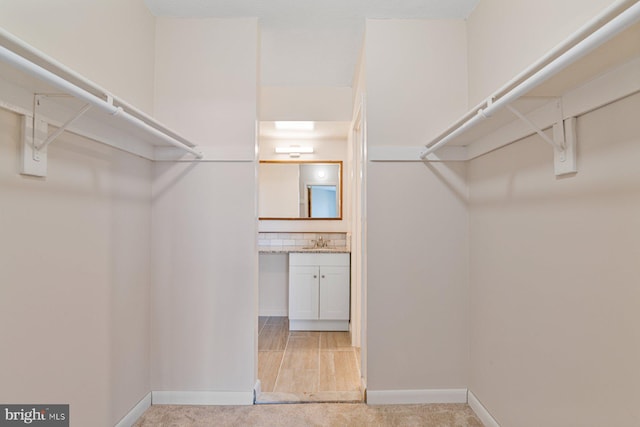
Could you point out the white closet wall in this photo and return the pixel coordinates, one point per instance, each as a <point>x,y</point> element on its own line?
<point>417,216</point>
<point>75,268</point>
<point>75,273</point>
<point>110,42</point>
<point>554,275</point>
<point>519,33</point>
<point>553,262</point>
<point>204,215</point>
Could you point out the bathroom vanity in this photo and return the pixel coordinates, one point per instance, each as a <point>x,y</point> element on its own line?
<point>307,278</point>
<point>319,291</point>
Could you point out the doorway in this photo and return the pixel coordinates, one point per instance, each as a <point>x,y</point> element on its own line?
<point>307,366</point>
<point>321,200</point>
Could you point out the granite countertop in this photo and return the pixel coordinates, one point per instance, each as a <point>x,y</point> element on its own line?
<point>289,249</point>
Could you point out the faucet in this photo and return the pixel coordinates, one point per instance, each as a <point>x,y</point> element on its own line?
<point>320,243</point>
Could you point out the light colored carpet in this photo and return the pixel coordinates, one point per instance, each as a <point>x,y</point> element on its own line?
<point>310,414</point>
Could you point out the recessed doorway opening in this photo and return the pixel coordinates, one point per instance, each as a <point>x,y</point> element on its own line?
<point>306,205</point>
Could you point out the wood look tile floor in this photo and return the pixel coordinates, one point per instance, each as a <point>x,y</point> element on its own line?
<point>300,366</point>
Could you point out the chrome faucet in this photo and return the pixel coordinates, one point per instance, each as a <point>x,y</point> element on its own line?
<point>320,243</point>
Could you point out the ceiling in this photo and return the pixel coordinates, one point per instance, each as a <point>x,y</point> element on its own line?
<point>321,130</point>
<point>311,42</point>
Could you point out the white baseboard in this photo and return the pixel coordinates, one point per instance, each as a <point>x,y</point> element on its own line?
<point>202,397</point>
<point>318,325</point>
<point>273,312</point>
<point>137,411</point>
<point>481,411</point>
<point>395,397</point>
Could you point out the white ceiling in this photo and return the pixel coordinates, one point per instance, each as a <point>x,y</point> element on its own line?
<point>322,130</point>
<point>311,42</point>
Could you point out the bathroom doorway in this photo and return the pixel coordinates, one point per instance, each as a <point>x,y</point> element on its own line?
<point>305,365</point>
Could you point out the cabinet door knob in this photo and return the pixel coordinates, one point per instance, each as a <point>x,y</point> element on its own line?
<point>323,276</point>
<point>315,277</point>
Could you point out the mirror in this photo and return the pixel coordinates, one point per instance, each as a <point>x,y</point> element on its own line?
<point>295,190</point>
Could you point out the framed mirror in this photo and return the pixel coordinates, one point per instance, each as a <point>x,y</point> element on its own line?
<point>300,190</point>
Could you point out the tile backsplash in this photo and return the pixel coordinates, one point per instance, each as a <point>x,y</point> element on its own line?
<point>334,240</point>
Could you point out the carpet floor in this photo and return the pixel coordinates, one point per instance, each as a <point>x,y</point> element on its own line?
<point>310,414</point>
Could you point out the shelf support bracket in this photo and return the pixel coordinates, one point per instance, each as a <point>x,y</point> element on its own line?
<point>36,139</point>
<point>565,161</point>
<point>563,141</point>
<point>555,144</point>
<point>62,128</point>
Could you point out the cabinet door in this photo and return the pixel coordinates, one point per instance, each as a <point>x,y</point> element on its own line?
<point>303,292</point>
<point>334,293</point>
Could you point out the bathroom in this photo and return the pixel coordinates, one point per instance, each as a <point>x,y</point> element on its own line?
<point>305,204</point>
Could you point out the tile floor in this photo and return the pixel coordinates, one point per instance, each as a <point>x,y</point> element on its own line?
<point>300,366</point>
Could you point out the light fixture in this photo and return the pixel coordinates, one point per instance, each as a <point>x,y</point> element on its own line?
<point>294,150</point>
<point>321,174</point>
<point>299,125</point>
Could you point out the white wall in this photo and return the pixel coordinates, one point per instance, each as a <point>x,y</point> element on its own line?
<point>553,262</point>
<point>204,294</point>
<point>505,37</point>
<point>75,274</point>
<point>290,52</point>
<point>274,284</point>
<point>416,79</point>
<point>107,41</point>
<point>554,273</point>
<point>204,214</point>
<point>417,303</point>
<point>206,83</point>
<point>75,268</point>
<point>329,104</point>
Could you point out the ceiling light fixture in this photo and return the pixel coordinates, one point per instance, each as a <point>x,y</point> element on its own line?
<point>294,125</point>
<point>294,150</point>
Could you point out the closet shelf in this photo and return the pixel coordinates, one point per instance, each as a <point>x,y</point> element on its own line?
<point>595,66</point>
<point>549,83</point>
<point>45,92</point>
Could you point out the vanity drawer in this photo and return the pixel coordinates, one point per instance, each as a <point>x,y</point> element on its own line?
<point>319,259</point>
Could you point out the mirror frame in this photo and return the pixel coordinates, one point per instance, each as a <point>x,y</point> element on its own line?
<point>338,218</point>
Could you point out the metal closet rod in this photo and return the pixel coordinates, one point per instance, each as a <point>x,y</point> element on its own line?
<point>47,76</point>
<point>596,32</point>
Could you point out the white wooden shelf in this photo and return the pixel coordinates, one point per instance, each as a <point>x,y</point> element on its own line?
<point>48,94</point>
<point>598,65</point>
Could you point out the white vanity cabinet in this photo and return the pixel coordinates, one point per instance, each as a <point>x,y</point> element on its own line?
<point>319,291</point>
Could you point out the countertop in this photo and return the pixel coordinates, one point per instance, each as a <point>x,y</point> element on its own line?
<point>299,249</point>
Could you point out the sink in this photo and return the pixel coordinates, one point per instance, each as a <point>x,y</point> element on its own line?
<point>330,249</point>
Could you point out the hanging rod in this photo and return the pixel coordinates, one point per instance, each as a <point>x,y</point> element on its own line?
<point>58,82</point>
<point>601,35</point>
<point>93,87</point>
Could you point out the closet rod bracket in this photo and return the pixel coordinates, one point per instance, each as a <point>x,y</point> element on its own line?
<point>36,139</point>
<point>38,98</point>
<point>557,142</point>
<point>563,139</point>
